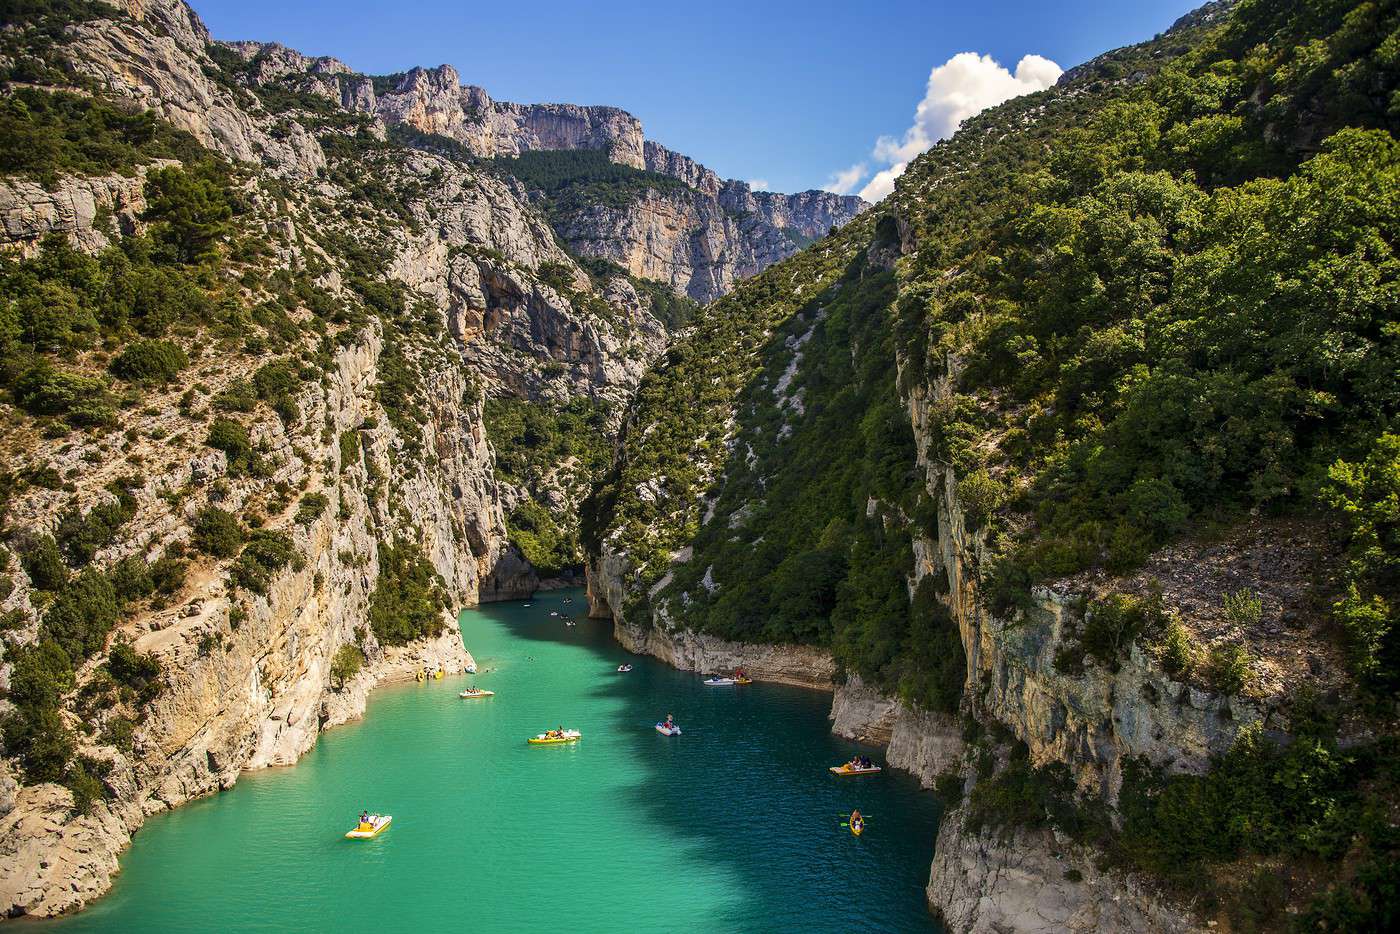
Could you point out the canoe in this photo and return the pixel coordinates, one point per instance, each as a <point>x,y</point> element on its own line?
<point>846,769</point>
<point>673,730</point>
<point>470,694</point>
<point>377,824</point>
<point>570,736</point>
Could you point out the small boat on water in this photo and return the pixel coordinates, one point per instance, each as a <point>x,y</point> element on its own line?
<point>624,668</point>
<point>846,768</point>
<point>857,824</point>
<point>668,729</point>
<point>554,737</point>
<point>553,612</point>
<point>720,682</point>
<point>471,669</point>
<point>372,826</point>
<point>477,693</point>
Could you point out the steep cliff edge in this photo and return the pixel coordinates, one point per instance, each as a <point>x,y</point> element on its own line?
<point>247,472</point>
<point>1015,450</point>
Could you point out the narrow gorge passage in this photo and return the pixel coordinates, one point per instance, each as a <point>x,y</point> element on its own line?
<point>736,821</point>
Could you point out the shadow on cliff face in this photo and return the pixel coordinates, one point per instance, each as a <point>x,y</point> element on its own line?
<point>746,790</point>
<point>512,577</point>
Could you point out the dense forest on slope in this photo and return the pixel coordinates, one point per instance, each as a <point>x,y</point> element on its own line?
<point>1157,298</point>
<point>1188,308</point>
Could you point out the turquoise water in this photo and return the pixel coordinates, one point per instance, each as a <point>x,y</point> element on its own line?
<point>734,825</point>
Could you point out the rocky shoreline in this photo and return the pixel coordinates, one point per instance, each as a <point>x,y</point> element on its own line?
<point>53,863</point>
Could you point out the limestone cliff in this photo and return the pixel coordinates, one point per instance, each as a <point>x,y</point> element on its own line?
<point>387,293</point>
<point>699,240</point>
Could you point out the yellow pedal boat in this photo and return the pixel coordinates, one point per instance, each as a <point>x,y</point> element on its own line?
<point>470,694</point>
<point>544,739</point>
<point>373,827</point>
<point>845,769</point>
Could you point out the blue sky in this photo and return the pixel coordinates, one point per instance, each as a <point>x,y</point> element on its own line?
<point>788,92</point>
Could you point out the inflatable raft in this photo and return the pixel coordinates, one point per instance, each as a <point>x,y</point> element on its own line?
<point>470,694</point>
<point>544,739</point>
<point>373,827</point>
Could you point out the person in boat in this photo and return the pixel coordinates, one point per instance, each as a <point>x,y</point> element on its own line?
<point>364,817</point>
<point>865,762</point>
<point>856,819</point>
<point>854,763</point>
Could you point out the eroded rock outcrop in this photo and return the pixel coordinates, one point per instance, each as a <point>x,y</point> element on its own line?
<point>990,882</point>
<point>90,211</point>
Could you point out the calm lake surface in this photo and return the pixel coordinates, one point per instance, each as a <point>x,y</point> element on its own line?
<point>735,825</point>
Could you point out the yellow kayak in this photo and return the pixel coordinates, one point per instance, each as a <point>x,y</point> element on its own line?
<point>845,769</point>
<point>544,739</point>
<point>365,830</point>
<point>470,694</point>
<point>858,826</point>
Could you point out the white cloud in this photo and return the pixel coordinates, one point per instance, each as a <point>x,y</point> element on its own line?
<point>961,87</point>
<point>845,181</point>
<point>758,184</point>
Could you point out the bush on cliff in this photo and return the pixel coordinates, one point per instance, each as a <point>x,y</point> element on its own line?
<point>149,361</point>
<point>409,597</point>
<point>217,532</point>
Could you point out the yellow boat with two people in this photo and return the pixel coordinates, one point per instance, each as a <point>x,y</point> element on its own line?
<point>476,692</point>
<point>859,765</point>
<point>370,826</point>
<point>555,737</point>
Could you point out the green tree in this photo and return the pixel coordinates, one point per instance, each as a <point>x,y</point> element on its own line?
<point>189,209</point>
<point>1366,495</point>
<point>346,664</point>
